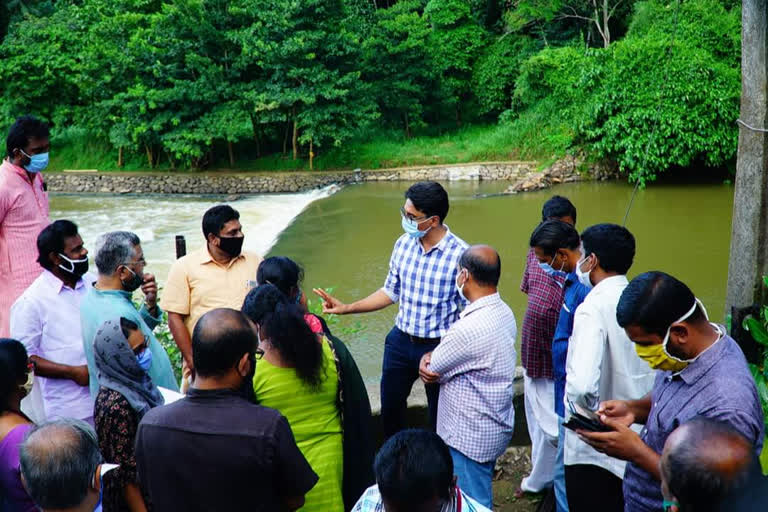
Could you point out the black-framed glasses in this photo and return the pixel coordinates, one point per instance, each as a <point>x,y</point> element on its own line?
<point>258,353</point>
<point>142,347</point>
<point>412,218</point>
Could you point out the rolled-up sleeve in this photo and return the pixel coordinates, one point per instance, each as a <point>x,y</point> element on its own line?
<point>176,294</point>
<point>585,353</point>
<point>392,284</point>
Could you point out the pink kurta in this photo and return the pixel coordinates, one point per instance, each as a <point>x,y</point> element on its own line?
<point>23,214</point>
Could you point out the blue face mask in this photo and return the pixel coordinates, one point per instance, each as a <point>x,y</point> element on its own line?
<point>145,359</point>
<point>36,162</point>
<point>411,228</point>
<point>546,267</point>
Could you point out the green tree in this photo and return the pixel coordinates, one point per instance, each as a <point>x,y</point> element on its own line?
<point>454,44</point>
<point>397,65</point>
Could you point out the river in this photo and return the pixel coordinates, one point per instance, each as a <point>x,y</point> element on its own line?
<point>343,238</point>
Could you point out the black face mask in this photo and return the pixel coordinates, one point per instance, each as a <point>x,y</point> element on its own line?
<point>231,245</point>
<point>75,267</point>
<point>134,283</point>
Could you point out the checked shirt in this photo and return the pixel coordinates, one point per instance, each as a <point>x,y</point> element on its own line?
<point>424,283</point>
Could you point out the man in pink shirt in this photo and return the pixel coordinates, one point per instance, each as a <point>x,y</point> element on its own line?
<point>23,210</point>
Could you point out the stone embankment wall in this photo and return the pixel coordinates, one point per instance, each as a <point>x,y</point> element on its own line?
<point>522,175</point>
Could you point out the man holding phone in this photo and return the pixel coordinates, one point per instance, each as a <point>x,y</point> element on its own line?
<point>601,363</point>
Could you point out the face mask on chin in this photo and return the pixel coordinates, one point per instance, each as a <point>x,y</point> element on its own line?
<point>134,283</point>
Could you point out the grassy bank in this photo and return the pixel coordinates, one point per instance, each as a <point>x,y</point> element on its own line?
<point>371,150</point>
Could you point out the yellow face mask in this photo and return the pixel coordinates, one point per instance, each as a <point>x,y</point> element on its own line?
<point>658,359</point>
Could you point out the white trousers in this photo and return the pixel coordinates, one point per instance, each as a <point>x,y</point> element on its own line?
<point>543,430</point>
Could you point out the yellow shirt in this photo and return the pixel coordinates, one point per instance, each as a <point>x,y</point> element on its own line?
<point>197,284</point>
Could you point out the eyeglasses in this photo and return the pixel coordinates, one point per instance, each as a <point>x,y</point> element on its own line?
<point>142,347</point>
<point>411,217</point>
<point>140,261</point>
<point>258,353</point>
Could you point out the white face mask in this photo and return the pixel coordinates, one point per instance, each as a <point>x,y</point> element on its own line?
<point>683,318</point>
<point>460,287</point>
<point>583,276</point>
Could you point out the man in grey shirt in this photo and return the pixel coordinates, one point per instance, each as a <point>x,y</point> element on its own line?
<point>703,373</point>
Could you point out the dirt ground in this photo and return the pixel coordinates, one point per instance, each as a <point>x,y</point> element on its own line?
<point>510,470</point>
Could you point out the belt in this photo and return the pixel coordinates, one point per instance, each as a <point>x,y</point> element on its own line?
<point>420,340</point>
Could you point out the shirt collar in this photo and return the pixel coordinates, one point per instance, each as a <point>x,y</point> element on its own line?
<point>213,393</point>
<point>115,293</point>
<point>8,166</point>
<point>57,284</point>
<point>706,360</point>
<point>440,246</point>
<point>203,257</point>
<point>480,303</point>
<point>611,281</point>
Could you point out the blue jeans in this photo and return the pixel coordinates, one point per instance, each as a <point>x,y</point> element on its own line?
<point>474,478</point>
<point>560,497</point>
<point>400,370</point>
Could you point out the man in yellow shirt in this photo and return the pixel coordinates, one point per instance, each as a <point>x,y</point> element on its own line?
<point>217,275</point>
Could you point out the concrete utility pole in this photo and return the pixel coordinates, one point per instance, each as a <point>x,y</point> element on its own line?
<point>749,231</point>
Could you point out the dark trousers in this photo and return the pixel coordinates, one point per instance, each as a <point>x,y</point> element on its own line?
<point>591,488</point>
<point>399,371</point>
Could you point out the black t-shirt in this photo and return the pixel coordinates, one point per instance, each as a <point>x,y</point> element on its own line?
<point>214,450</point>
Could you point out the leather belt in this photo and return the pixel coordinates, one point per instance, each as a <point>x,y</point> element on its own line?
<point>420,340</point>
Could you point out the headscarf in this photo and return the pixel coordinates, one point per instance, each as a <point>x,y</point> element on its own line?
<point>119,370</point>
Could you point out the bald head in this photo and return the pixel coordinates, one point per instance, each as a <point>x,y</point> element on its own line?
<point>483,264</point>
<point>58,461</point>
<point>220,339</point>
<point>704,461</point>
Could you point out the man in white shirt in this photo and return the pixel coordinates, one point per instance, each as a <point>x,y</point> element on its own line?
<point>475,366</point>
<point>46,319</point>
<point>601,363</point>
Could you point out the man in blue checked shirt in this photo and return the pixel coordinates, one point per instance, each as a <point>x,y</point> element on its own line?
<point>422,278</point>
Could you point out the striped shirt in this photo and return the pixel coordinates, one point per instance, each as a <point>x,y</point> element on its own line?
<point>476,362</point>
<point>424,283</point>
<point>23,215</point>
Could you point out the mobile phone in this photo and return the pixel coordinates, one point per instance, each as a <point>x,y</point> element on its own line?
<point>584,419</point>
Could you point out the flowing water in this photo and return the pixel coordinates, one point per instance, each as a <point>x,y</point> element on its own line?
<point>344,238</point>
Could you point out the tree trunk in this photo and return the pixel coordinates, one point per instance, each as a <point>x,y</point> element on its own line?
<point>407,126</point>
<point>606,30</point>
<point>295,137</point>
<point>256,129</point>
<point>285,137</point>
<point>120,157</point>
<point>231,153</point>
<point>150,160</point>
<point>311,155</point>
<point>458,113</point>
<point>749,245</point>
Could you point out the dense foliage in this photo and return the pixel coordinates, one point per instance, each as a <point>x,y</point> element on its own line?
<point>649,84</point>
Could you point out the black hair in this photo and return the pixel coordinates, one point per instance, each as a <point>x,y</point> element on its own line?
<point>219,340</point>
<point>215,218</point>
<point>429,197</point>
<point>128,326</point>
<point>558,207</point>
<point>24,129</point>
<point>13,368</point>
<point>485,273</point>
<point>551,235</point>
<point>282,272</point>
<point>51,240</point>
<point>653,301</point>
<point>283,324</point>
<point>412,467</point>
<point>614,246</point>
<point>694,479</point>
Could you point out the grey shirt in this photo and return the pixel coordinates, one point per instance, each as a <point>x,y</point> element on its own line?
<point>718,385</point>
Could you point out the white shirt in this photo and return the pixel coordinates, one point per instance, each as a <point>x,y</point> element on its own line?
<point>476,362</point>
<point>46,319</point>
<point>602,365</point>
